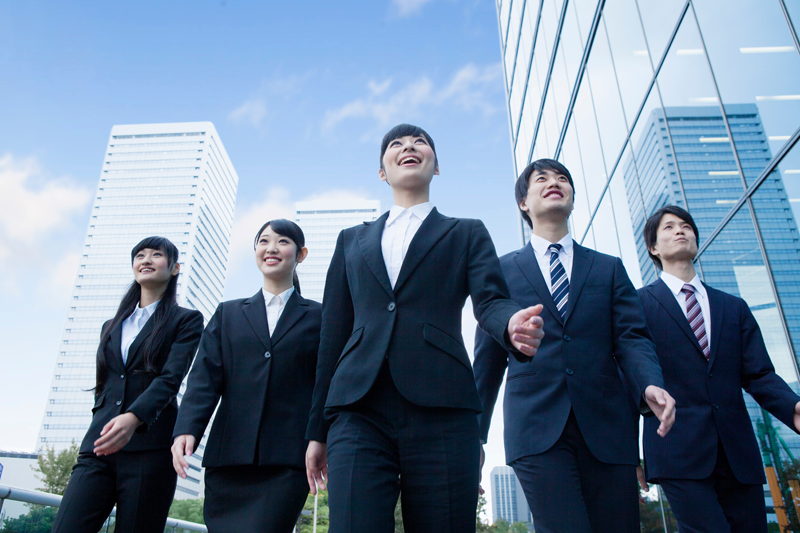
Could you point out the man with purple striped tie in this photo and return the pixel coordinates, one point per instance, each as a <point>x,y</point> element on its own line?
<point>571,431</point>
<point>710,348</point>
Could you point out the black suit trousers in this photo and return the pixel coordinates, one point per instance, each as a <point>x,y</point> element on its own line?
<point>570,491</point>
<point>383,446</point>
<point>719,503</point>
<point>141,485</point>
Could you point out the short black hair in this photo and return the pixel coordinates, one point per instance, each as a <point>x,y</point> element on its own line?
<point>403,130</point>
<point>521,187</point>
<point>651,228</point>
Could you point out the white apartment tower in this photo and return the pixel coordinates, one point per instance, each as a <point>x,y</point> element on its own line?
<point>508,499</point>
<point>321,221</point>
<point>172,180</point>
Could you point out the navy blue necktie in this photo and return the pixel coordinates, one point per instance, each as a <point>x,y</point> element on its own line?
<point>559,286</point>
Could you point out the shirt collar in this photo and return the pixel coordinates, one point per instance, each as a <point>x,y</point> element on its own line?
<point>146,311</point>
<point>421,211</point>
<point>284,296</point>
<point>541,246</point>
<point>675,284</point>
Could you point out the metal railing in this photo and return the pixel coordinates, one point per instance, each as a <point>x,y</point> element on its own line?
<point>54,500</point>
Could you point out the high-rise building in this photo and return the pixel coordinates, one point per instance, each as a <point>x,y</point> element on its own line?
<point>508,499</point>
<point>655,102</point>
<point>321,221</point>
<point>171,180</point>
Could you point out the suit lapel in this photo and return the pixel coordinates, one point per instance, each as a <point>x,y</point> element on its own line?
<point>369,241</point>
<point>255,310</point>
<point>133,351</point>
<point>433,228</point>
<point>295,308</point>
<point>527,263</point>
<point>667,300</point>
<point>717,308</point>
<point>581,265</point>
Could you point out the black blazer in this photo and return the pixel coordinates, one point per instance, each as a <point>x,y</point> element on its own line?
<point>151,397</point>
<point>576,366</point>
<point>416,326</point>
<point>265,383</point>
<point>710,405</point>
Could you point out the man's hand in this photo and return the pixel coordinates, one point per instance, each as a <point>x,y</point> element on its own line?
<point>525,329</point>
<point>663,406</point>
<point>317,465</point>
<point>481,492</point>
<point>642,483</point>
<point>116,434</point>
<point>182,448</point>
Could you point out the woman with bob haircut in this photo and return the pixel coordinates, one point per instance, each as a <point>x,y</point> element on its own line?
<point>257,359</point>
<point>144,353</point>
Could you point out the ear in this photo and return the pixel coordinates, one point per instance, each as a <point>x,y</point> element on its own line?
<point>302,255</point>
<point>176,269</point>
<point>382,174</point>
<point>654,250</point>
<point>436,170</point>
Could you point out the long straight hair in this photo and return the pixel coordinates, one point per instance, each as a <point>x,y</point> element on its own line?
<point>161,318</point>
<point>289,229</point>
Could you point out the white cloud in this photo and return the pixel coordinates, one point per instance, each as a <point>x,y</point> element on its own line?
<point>252,111</point>
<point>467,90</point>
<point>256,110</point>
<point>407,8</point>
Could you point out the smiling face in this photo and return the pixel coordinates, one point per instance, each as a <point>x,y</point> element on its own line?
<point>277,256</point>
<point>409,163</point>
<point>675,240</point>
<point>151,268</point>
<point>549,195</point>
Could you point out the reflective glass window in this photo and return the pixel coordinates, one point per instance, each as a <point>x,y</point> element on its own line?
<point>605,228</point>
<point>570,157</point>
<point>659,20</point>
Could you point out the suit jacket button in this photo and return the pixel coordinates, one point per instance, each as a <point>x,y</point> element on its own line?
<point>711,374</point>
<point>119,402</point>
<point>391,306</point>
<point>566,338</point>
<point>716,406</point>
<point>122,376</point>
<point>569,371</point>
<point>267,355</point>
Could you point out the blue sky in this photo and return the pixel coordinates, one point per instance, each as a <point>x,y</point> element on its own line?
<point>300,93</point>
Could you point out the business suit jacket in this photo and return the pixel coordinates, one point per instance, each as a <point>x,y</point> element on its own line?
<point>151,397</point>
<point>576,364</point>
<point>417,325</point>
<point>710,406</point>
<point>265,382</point>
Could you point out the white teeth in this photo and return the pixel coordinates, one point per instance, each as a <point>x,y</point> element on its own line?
<point>406,159</point>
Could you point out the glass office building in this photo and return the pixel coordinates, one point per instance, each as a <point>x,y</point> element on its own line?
<point>508,499</point>
<point>691,103</point>
<point>172,180</point>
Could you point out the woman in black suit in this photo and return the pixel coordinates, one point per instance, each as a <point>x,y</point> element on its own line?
<point>144,354</point>
<point>258,355</point>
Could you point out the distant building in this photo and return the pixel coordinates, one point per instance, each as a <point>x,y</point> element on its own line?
<point>17,471</point>
<point>321,221</point>
<point>171,180</point>
<point>508,499</point>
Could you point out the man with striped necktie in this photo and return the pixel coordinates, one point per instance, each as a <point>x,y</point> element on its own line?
<point>571,430</point>
<point>710,348</point>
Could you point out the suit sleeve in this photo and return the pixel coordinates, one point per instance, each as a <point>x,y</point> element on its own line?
<point>337,325</point>
<point>758,375</point>
<point>206,382</point>
<point>490,364</point>
<point>165,386</point>
<point>491,302</point>
<point>633,345</point>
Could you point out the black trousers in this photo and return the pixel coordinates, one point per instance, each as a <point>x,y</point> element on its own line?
<point>383,446</point>
<point>141,484</point>
<point>719,503</point>
<point>267,499</point>
<point>569,491</point>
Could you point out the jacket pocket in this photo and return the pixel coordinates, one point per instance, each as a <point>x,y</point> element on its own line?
<point>523,374</point>
<point>446,343</point>
<point>351,343</point>
<point>98,402</point>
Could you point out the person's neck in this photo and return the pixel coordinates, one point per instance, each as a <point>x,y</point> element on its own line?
<point>150,295</point>
<point>683,270</point>
<point>408,199</point>
<point>277,287</point>
<point>550,230</point>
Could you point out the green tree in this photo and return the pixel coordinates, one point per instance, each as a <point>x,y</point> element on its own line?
<point>500,526</point>
<point>305,524</point>
<point>55,469</point>
<point>398,518</point>
<point>189,510</point>
<point>481,522</point>
<point>518,527</point>
<point>38,520</point>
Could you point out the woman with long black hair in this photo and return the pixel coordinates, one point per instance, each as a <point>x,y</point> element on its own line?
<point>258,356</point>
<point>144,353</point>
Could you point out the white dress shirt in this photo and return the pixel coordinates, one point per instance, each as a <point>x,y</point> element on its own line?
<point>400,228</point>
<point>541,249</point>
<point>132,326</point>
<point>675,285</point>
<point>275,306</point>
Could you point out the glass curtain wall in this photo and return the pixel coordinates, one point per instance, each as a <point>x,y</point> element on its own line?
<point>674,102</point>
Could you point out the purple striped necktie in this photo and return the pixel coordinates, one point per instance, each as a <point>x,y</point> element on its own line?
<point>695,316</point>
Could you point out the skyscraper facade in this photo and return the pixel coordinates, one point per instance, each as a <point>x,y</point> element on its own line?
<point>172,180</point>
<point>691,103</point>
<point>508,499</point>
<point>321,221</point>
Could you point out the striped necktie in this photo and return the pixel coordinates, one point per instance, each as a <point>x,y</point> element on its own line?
<point>695,316</point>
<point>559,286</point>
